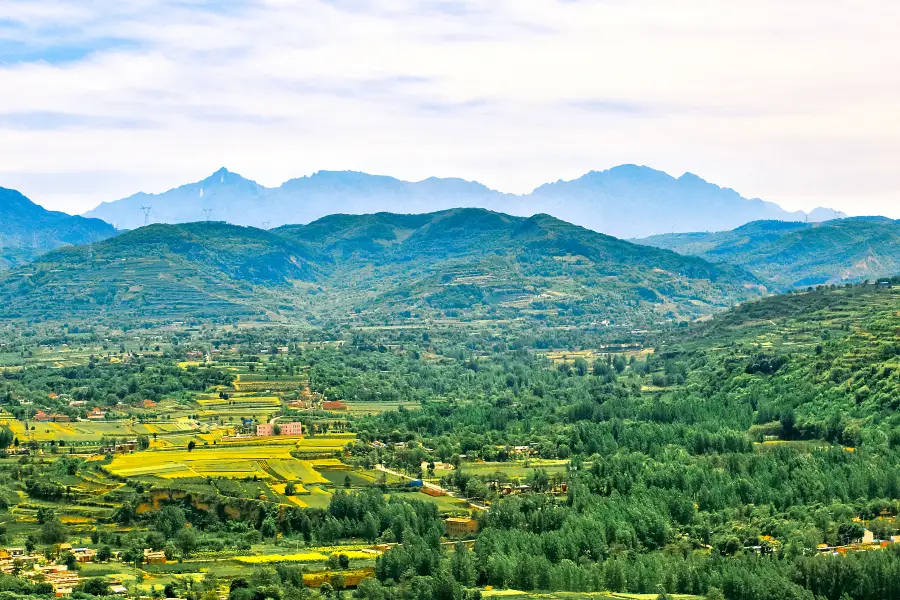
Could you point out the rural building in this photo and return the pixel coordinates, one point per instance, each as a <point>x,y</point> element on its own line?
<point>268,429</point>
<point>510,489</point>
<point>60,418</point>
<point>129,446</point>
<point>42,417</point>
<point>334,405</point>
<point>154,558</point>
<point>292,429</point>
<point>459,527</point>
<point>61,578</point>
<point>84,555</point>
<point>97,414</point>
<point>522,451</point>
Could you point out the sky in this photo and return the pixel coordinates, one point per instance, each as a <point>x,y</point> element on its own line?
<point>794,102</point>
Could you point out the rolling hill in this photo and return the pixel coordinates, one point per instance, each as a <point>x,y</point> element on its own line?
<point>814,365</point>
<point>29,230</point>
<point>464,264</point>
<point>625,201</point>
<point>791,255</point>
<point>478,264</point>
<point>190,271</point>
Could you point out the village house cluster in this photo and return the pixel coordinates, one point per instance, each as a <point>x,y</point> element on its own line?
<point>63,579</point>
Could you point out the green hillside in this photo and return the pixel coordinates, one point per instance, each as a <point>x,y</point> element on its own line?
<point>29,230</point>
<point>477,264</point>
<point>465,265</point>
<point>791,255</point>
<point>821,365</point>
<point>196,270</point>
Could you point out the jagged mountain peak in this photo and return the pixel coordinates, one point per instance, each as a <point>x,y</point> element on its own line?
<point>624,201</point>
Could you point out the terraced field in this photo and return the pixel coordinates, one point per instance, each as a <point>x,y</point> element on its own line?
<point>239,461</point>
<point>261,383</point>
<point>241,402</point>
<point>93,431</point>
<point>374,408</point>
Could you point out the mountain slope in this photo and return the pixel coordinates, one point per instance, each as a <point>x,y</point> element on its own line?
<point>817,365</point>
<point>799,254</point>
<point>29,229</point>
<point>462,264</point>
<point>626,201</point>
<point>195,270</point>
<point>482,264</point>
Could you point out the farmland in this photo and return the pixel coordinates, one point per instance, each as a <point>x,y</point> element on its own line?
<point>231,460</point>
<point>760,448</point>
<point>88,431</point>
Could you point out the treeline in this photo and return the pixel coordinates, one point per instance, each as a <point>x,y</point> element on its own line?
<point>102,383</point>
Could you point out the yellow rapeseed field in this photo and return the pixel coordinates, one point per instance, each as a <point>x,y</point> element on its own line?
<point>320,554</point>
<point>263,460</point>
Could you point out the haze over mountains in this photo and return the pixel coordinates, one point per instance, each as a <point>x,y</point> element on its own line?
<point>28,230</point>
<point>626,201</point>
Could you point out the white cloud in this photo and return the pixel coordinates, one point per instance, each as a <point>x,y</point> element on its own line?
<point>793,102</point>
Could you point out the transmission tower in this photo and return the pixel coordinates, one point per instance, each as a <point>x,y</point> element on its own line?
<point>206,213</point>
<point>266,224</point>
<point>146,210</point>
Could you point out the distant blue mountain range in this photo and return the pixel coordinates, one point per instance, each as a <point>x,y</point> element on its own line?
<point>627,201</point>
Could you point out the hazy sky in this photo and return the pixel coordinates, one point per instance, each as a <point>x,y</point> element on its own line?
<point>794,101</point>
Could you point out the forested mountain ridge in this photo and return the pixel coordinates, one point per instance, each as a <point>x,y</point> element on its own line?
<point>390,238</point>
<point>819,365</point>
<point>461,263</point>
<point>29,230</point>
<point>194,270</point>
<point>491,264</point>
<point>625,201</point>
<point>792,255</point>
